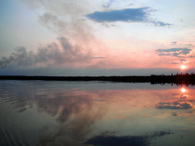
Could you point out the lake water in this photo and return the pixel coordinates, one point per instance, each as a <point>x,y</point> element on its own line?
<point>96,114</point>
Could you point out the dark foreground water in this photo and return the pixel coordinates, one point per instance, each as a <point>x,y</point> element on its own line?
<point>96,114</point>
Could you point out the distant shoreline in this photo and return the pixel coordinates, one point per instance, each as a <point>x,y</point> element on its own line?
<point>187,79</point>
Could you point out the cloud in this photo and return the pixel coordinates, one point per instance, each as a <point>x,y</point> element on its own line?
<point>65,18</point>
<point>109,3</point>
<point>61,53</point>
<point>191,45</point>
<point>51,21</point>
<point>174,105</point>
<point>76,42</point>
<point>125,15</point>
<point>181,55</point>
<point>135,15</point>
<point>176,52</point>
<point>182,60</point>
<point>174,43</point>
<point>160,23</point>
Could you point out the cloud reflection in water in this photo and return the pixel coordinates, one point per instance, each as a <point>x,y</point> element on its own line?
<point>129,116</point>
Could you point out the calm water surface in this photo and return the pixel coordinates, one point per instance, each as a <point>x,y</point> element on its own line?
<point>96,114</point>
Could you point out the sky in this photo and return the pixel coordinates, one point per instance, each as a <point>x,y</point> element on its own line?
<point>96,37</point>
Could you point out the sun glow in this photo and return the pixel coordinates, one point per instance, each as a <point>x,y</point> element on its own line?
<point>183,67</point>
<point>183,90</point>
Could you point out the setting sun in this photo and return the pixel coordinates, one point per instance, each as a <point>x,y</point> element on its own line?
<point>183,67</point>
<point>183,90</point>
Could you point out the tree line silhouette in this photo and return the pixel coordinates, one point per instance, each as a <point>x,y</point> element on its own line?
<point>187,79</point>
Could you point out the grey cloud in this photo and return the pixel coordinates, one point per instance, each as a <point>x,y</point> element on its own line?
<point>109,24</point>
<point>67,19</point>
<point>115,3</point>
<point>191,45</point>
<point>135,15</point>
<point>181,60</point>
<point>19,56</point>
<point>64,17</point>
<point>177,52</point>
<point>174,105</point>
<point>109,3</point>
<point>176,62</point>
<point>126,15</point>
<point>72,28</point>
<point>52,22</point>
<point>51,54</point>
<point>174,42</point>
<point>160,23</point>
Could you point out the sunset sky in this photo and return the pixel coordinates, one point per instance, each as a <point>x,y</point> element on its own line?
<point>97,37</point>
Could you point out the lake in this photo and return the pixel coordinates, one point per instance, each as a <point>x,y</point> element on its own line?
<point>54,113</point>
